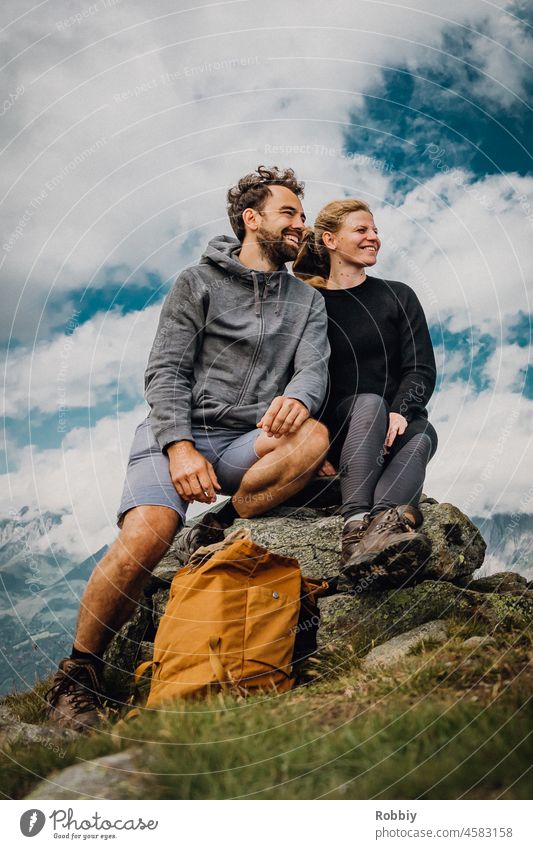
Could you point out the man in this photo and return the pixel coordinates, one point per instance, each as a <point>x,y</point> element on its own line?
<point>237,369</point>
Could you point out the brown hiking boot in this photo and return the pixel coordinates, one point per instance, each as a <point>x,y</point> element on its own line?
<point>352,534</point>
<point>75,697</point>
<point>205,532</point>
<point>390,552</point>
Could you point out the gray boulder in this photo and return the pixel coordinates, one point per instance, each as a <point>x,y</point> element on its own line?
<point>365,619</point>
<point>399,647</point>
<point>500,582</point>
<point>479,642</point>
<point>14,732</point>
<point>313,537</point>
<point>118,776</point>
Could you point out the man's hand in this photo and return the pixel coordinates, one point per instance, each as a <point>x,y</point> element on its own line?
<point>285,415</point>
<point>397,426</point>
<point>192,475</point>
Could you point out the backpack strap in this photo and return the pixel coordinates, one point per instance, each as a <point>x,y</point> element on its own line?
<point>214,659</point>
<point>205,552</point>
<point>223,676</point>
<point>140,670</point>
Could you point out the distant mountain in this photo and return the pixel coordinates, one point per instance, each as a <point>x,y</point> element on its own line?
<point>509,538</point>
<point>40,596</point>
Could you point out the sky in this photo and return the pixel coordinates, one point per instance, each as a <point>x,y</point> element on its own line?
<point>123,124</point>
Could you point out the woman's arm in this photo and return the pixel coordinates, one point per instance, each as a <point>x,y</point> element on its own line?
<point>418,371</point>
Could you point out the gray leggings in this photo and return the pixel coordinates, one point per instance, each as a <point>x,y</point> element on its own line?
<point>371,480</point>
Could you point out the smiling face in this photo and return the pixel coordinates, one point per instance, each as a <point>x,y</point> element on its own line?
<point>357,241</point>
<point>280,225</point>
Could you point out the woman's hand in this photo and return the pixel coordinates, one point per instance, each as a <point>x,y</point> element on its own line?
<point>397,426</point>
<point>326,470</point>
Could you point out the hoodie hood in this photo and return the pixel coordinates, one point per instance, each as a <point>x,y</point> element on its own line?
<point>223,251</point>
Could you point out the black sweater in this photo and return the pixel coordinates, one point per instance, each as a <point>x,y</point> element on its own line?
<point>380,343</point>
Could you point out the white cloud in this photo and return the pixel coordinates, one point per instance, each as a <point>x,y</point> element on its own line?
<point>485,439</point>
<point>129,129</point>
<point>465,247</point>
<point>506,367</point>
<point>86,366</point>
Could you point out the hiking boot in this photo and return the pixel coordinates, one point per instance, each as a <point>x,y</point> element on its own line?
<point>352,534</point>
<point>390,552</point>
<point>75,697</point>
<point>205,532</point>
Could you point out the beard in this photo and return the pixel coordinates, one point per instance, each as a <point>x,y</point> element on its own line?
<point>274,247</point>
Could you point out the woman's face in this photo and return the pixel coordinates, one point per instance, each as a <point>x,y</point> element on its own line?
<point>357,241</point>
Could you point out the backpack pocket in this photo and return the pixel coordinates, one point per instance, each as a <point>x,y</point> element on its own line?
<point>269,630</point>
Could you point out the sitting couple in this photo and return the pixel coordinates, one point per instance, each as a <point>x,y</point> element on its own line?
<point>237,383</point>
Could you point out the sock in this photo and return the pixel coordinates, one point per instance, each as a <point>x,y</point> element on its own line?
<point>376,510</point>
<point>357,517</point>
<point>228,514</point>
<point>96,659</point>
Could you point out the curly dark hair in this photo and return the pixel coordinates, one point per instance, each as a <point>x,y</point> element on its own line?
<point>252,192</point>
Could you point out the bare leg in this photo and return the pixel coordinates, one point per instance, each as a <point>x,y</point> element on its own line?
<point>117,581</point>
<point>284,467</point>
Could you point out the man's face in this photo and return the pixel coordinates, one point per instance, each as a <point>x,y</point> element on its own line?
<point>281,225</point>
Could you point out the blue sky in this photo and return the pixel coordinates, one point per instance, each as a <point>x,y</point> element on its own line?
<point>122,134</point>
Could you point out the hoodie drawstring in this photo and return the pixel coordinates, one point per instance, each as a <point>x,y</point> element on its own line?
<point>256,294</point>
<point>279,296</point>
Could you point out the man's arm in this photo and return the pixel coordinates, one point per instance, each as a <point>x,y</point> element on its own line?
<point>306,389</point>
<point>168,389</point>
<point>169,373</point>
<point>310,378</point>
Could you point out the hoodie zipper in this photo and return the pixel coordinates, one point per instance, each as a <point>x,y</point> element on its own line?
<point>256,350</point>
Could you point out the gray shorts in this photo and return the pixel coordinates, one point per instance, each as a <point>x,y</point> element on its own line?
<point>148,479</point>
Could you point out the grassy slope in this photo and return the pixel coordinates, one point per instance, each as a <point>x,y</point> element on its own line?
<point>445,723</point>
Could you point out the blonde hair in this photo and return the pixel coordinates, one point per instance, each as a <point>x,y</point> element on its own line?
<point>312,262</point>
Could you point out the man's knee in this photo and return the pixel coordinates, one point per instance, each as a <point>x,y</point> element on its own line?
<point>146,535</point>
<point>314,436</point>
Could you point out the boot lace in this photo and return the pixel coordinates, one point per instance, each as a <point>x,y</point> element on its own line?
<point>355,534</point>
<point>81,685</point>
<point>392,520</point>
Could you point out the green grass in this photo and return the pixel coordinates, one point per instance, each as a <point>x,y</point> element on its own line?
<point>445,723</point>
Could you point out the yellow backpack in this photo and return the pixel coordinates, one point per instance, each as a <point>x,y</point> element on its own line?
<point>238,618</point>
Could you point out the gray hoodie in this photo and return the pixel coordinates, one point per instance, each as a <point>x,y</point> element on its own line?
<point>229,341</point>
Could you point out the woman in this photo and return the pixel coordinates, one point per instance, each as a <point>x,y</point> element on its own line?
<point>382,374</point>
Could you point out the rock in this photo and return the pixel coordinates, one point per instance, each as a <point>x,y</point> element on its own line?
<point>111,777</point>
<point>458,547</point>
<point>366,618</point>
<point>394,650</point>
<point>160,599</point>
<point>479,642</point>
<point>313,537</point>
<point>15,732</point>
<point>122,658</point>
<point>500,582</point>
